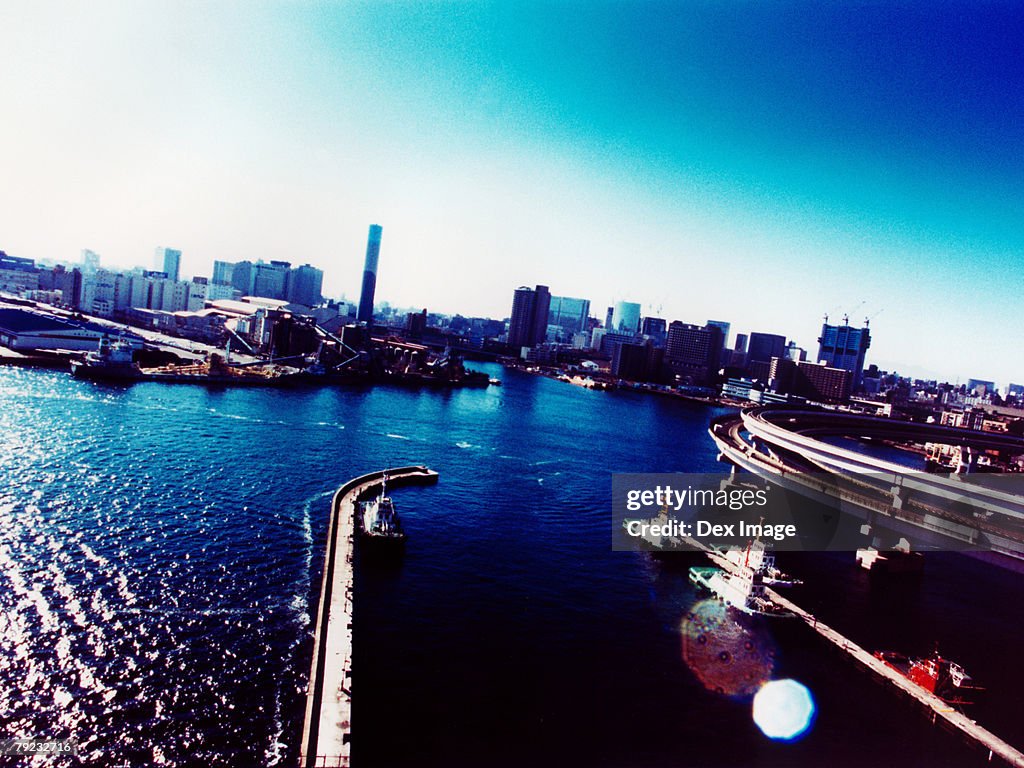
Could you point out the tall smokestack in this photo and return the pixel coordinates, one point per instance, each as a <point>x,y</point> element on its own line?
<point>370,275</point>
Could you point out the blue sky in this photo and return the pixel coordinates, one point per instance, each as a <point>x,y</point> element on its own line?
<point>761,163</point>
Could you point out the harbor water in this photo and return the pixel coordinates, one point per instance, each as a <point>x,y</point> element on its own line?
<point>160,557</point>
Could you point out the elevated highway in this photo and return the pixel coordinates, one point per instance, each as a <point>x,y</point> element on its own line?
<point>938,510</point>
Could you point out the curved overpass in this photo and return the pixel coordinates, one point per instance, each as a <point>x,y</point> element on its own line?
<point>984,511</point>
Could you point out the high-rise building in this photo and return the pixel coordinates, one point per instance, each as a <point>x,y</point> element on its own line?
<point>764,346</point>
<point>569,314</point>
<point>627,317</point>
<point>741,343</point>
<point>269,280</point>
<point>636,362</point>
<point>222,272</point>
<point>242,275</point>
<point>609,316</point>
<point>530,311</point>
<point>90,261</point>
<point>168,260</point>
<point>814,381</point>
<point>724,326</point>
<point>529,319</point>
<point>304,285</point>
<point>365,314</point>
<point>692,352</point>
<point>843,346</point>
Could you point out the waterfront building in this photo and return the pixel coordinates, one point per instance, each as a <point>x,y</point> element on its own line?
<point>693,352</point>
<point>17,274</point>
<point>528,320</point>
<point>569,315</point>
<point>636,361</point>
<point>813,381</point>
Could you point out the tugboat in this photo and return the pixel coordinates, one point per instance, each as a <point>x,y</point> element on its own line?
<point>112,361</point>
<point>378,520</point>
<point>946,679</point>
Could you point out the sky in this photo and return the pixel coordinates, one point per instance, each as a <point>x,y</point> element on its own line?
<point>759,163</point>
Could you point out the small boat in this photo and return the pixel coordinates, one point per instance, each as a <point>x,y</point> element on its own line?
<point>946,679</point>
<point>378,520</point>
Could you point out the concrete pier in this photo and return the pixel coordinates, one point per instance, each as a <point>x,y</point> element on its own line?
<point>327,726</point>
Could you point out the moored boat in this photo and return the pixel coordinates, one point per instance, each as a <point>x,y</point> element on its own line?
<point>936,674</point>
<point>378,520</point>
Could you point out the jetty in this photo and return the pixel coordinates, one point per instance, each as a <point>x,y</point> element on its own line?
<point>327,725</point>
<point>937,710</point>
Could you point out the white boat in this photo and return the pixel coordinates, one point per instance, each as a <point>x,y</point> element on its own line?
<point>378,520</point>
<point>758,556</point>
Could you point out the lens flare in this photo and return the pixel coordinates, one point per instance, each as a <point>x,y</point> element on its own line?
<point>783,710</point>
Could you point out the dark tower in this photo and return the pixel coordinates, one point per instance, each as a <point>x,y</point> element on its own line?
<point>369,275</point>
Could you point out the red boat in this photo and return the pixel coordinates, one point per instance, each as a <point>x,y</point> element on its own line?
<point>946,679</point>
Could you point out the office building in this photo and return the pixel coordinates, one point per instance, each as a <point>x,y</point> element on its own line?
<point>813,381</point>
<point>843,346</point>
<point>222,271</point>
<point>627,317</point>
<point>763,347</point>
<point>692,352</point>
<point>724,326</point>
<point>168,260</point>
<point>365,314</point>
<point>636,362</point>
<point>569,314</point>
<point>304,285</point>
<point>741,343</point>
<point>269,280</point>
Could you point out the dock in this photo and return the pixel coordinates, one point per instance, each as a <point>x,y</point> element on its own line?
<point>327,725</point>
<point>935,707</point>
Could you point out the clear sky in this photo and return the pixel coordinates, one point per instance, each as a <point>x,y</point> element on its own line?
<point>760,163</point>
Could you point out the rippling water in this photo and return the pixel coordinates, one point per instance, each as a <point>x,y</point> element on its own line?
<point>160,545</point>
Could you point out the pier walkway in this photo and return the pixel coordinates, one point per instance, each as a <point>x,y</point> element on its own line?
<point>935,707</point>
<point>327,726</point>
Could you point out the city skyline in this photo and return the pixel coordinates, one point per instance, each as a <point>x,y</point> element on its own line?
<point>761,166</point>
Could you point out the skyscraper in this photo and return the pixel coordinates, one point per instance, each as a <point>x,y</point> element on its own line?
<point>725,329</point>
<point>764,346</point>
<point>222,272</point>
<point>365,314</point>
<point>304,285</point>
<point>692,353</point>
<point>843,346</point>
<point>569,314</point>
<point>528,322</point>
<point>627,317</point>
<point>168,260</point>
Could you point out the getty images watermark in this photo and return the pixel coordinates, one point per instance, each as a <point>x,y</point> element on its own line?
<point>818,512</point>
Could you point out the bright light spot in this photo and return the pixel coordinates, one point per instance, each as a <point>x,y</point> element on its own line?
<point>783,709</point>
